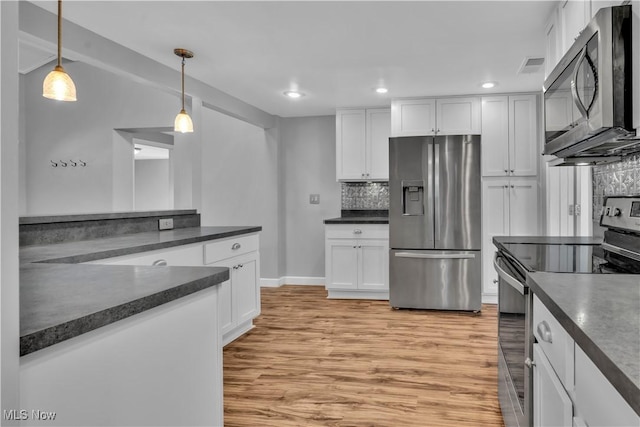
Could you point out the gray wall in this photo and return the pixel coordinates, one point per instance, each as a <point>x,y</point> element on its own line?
<point>309,159</point>
<point>152,191</point>
<point>240,181</point>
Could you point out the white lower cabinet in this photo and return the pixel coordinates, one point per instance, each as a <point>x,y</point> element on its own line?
<point>239,298</point>
<point>357,261</point>
<point>568,388</point>
<point>509,208</point>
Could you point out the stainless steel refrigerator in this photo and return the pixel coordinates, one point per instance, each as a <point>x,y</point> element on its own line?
<point>435,207</point>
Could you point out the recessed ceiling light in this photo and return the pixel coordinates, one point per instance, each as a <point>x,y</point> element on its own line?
<point>293,94</point>
<point>489,85</point>
<point>382,90</point>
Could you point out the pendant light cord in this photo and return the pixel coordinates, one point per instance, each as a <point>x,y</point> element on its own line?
<point>59,33</point>
<point>183,61</point>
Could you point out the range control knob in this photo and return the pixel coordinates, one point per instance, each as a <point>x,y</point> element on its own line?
<point>616,212</point>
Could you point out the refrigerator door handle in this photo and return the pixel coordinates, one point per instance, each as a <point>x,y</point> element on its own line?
<point>436,190</point>
<point>434,256</point>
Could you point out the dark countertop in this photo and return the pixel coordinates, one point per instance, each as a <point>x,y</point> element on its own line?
<point>546,240</point>
<point>44,219</point>
<point>602,314</point>
<point>61,299</point>
<point>91,250</point>
<point>358,220</point>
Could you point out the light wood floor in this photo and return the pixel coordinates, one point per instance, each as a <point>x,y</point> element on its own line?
<point>316,362</point>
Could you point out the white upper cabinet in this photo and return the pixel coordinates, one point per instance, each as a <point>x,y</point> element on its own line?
<point>430,116</point>
<point>510,136</point>
<point>362,144</point>
<point>553,43</point>
<point>574,16</point>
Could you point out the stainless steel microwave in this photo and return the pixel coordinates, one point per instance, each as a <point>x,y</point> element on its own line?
<point>588,96</point>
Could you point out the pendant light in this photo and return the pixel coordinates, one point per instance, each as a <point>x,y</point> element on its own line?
<point>58,85</point>
<point>183,122</point>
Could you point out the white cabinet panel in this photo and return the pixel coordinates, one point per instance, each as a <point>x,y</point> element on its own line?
<point>374,264</point>
<point>378,133</point>
<point>342,261</point>
<point>458,116</point>
<point>524,149</point>
<point>185,255</point>
<point>553,43</point>
<point>495,136</point>
<point>597,402</point>
<point>523,211</point>
<point>574,16</point>
<point>551,403</point>
<point>350,144</point>
<point>413,117</point>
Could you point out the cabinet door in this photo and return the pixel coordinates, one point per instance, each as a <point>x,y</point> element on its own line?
<point>495,222</point>
<point>574,16</point>
<point>523,207</point>
<point>245,288</point>
<point>553,43</point>
<point>225,304</point>
<point>495,136</point>
<point>551,403</point>
<point>341,264</point>
<point>373,271</point>
<point>524,150</point>
<point>458,116</point>
<point>598,403</point>
<point>350,144</point>
<point>378,133</point>
<point>413,117</point>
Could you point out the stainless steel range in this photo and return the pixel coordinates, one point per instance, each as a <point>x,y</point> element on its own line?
<point>619,253</point>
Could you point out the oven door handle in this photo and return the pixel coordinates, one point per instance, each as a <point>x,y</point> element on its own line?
<point>620,251</point>
<point>513,282</point>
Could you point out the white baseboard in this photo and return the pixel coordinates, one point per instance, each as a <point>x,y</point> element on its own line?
<point>292,280</point>
<point>489,298</point>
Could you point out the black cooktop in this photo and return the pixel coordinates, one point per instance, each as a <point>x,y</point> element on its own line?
<point>560,258</point>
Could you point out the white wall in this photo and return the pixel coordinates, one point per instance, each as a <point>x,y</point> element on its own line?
<point>152,187</point>
<point>309,159</point>
<point>84,130</point>
<point>240,181</point>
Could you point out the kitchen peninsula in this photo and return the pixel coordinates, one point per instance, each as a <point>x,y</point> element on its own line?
<point>126,343</point>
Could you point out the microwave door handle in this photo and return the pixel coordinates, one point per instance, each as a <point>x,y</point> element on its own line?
<point>574,86</point>
<point>510,280</point>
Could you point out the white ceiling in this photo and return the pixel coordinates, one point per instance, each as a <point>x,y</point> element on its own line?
<point>336,52</point>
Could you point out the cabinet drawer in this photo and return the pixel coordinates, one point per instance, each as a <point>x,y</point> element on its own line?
<point>357,231</point>
<point>227,248</point>
<point>554,341</point>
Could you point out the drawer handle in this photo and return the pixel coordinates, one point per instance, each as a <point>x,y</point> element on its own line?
<point>357,231</point>
<point>235,246</point>
<point>544,331</point>
<point>160,262</point>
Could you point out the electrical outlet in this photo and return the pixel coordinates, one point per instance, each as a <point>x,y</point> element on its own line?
<point>165,223</point>
<point>314,199</point>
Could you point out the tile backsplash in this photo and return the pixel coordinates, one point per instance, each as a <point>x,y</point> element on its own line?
<point>365,195</point>
<point>615,179</point>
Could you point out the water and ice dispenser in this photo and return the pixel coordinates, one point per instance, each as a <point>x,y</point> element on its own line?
<point>413,198</point>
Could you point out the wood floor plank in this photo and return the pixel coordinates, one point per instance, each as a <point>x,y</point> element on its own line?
<point>312,362</point>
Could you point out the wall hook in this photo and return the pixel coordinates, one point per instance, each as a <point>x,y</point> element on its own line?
<point>63,164</point>
<point>53,164</point>
<point>74,164</point>
<point>83,163</point>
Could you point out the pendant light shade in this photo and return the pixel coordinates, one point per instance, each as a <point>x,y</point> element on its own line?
<point>183,122</point>
<point>58,85</point>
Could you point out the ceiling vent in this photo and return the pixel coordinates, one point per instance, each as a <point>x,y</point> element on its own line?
<point>531,65</point>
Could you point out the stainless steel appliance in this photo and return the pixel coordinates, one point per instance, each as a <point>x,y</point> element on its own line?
<point>588,96</point>
<point>435,222</point>
<point>619,253</point>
